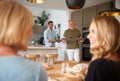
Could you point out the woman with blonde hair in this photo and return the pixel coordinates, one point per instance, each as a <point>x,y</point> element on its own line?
<point>104,36</point>
<point>15,31</point>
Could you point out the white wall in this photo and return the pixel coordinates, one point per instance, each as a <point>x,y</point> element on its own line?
<point>57,16</point>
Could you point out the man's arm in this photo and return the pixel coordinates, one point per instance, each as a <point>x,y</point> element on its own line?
<point>45,36</point>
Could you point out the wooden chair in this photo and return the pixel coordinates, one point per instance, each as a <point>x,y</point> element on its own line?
<point>34,57</point>
<point>49,57</point>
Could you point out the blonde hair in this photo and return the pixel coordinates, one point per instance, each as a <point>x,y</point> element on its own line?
<point>15,21</point>
<point>108,31</point>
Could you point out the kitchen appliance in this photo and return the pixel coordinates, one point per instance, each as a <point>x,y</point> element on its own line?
<point>86,56</point>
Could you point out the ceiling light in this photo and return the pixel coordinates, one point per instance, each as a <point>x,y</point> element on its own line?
<point>75,4</point>
<point>36,1</point>
<point>112,11</point>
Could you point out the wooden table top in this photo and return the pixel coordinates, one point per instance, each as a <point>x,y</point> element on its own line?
<point>55,74</point>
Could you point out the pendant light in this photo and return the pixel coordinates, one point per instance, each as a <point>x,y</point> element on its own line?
<point>36,1</point>
<point>112,11</point>
<point>75,4</point>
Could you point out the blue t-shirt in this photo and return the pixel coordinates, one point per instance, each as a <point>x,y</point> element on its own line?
<point>17,68</point>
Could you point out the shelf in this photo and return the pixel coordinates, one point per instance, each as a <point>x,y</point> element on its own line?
<point>85,31</point>
<point>86,45</point>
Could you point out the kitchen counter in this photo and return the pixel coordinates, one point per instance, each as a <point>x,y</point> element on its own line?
<point>42,47</point>
<point>41,50</point>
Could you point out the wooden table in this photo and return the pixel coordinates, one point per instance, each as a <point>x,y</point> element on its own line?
<point>55,73</point>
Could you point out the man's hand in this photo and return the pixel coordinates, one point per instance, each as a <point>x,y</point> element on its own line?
<point>64,40</point>
<point>81,39</point>
<point>52,41</point>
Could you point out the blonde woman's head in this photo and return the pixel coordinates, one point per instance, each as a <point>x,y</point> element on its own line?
<point>15,25</point>
<point>104,36</point>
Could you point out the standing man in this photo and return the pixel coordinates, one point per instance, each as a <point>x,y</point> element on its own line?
<point>50,35</point>
<point>72,38</point>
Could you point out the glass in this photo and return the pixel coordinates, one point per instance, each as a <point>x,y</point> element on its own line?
<point>67,67</point>
<point>63,68</point>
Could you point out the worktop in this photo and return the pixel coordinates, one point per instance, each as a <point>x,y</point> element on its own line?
<point>42,47</point>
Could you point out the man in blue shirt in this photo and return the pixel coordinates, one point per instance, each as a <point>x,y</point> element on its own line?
<point>50,36</point>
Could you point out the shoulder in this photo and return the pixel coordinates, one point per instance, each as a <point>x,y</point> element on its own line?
<point>39,71</point>
<point>101,65</point>
<point>67,30</point>
<point>77,30</point>
<point>54,31</point>
<point>99,62</point>
<point>38,68</point>
<point>46,31</point>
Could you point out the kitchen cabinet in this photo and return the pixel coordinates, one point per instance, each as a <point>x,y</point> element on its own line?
<point>102,7</point>
<point>88,14</point>
<point>77,17</point>
<point>83,19</point>
<point>86,55</point>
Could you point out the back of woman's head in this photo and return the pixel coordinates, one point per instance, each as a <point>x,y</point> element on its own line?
<point>108,32</point>
<point>15,21</point>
